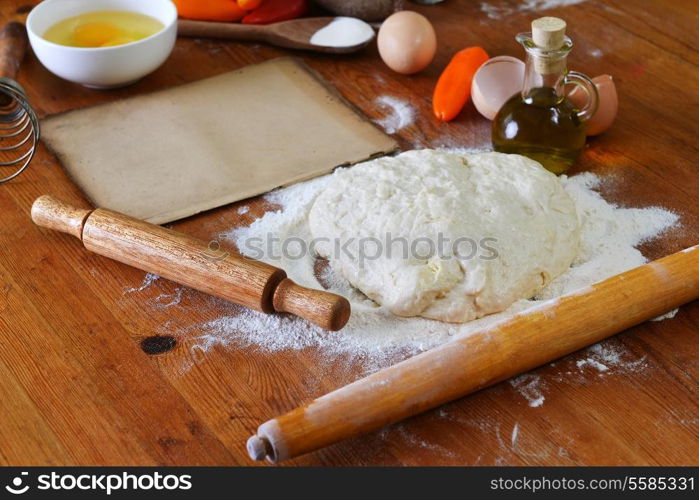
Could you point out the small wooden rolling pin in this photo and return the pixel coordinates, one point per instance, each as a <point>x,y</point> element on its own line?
<point>464,365</point>
<point>13,46</point>
<point>189,261</point>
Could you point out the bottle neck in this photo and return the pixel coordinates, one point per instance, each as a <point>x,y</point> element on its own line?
<point>545,70</point>
<point>544,73</point>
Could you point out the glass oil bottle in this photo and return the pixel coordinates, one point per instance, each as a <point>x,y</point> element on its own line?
<point>541,122</point>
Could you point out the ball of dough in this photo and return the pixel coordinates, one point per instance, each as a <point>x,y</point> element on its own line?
<point>404,230</point>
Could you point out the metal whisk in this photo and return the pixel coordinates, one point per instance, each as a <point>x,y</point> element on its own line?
<point>19,126</point>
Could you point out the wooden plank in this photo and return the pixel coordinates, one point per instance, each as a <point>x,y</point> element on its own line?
<point>74,374</point>
<point>32,442</point>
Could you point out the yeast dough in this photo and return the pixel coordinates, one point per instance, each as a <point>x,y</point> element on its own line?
<point>506,228</point>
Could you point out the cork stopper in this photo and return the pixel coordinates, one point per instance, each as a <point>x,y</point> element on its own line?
<point>548,33</point>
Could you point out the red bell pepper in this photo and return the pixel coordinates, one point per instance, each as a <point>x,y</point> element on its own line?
<point>209,10</point>
<point>274,11</point>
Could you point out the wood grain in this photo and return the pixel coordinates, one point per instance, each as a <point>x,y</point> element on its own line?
<point>53,214</point>
<point>74,374</point>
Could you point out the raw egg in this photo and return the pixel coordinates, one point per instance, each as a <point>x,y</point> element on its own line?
<point>105,28</point>
<point>495,82</point>
<point>407,42</point>
<point>94,34</point>
<point>606,108</point>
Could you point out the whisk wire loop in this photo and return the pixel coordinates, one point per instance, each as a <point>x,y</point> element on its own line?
<point>19,130</point>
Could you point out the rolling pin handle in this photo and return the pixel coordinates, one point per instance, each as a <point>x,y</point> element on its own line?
<point>258,448</point>
<point>13,46</point>
<point>55,214</point>
<point>327,310</point>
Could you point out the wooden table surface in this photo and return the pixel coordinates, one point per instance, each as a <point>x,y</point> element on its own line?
<point>76,387</point>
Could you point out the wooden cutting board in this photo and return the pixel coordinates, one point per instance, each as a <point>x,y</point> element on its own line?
<point>177,152</point>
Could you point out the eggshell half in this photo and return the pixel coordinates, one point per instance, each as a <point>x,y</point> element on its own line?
<point>495,82</point>
<point>607,107</point>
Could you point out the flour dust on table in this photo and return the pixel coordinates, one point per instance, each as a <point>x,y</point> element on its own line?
<point>398,114</point>
<point>375,337</point>
<point>497,9</point>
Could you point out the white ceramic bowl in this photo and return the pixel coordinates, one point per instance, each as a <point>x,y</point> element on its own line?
<point>102,67</point>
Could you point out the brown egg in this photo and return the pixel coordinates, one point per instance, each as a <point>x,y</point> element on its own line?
<point>607,107</point>
<point>407,42</point>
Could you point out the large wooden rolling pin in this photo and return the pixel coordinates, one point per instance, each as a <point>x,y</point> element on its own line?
<point>189,261</point>
<point>464,365</point>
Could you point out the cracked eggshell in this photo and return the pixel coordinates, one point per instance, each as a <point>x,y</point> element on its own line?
<point>607,107</point>
<point>498,79</point>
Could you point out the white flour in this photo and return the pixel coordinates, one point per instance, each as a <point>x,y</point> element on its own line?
<point>399,115</point>
<point>515,435</point>
<point>165,300</point>
<point>530,388</point>
<point>375,338</point>
<point>343,32</point>
<point>668,315</point>
<point>599,361</point>
<point>148,280</point>
<point>505,8</point>
<point>609,237</point>
<point>602,358</point>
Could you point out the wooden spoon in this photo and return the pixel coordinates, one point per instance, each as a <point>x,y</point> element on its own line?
<point>295,34</point>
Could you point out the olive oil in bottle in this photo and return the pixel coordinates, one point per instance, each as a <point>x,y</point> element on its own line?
<point>541,122</point>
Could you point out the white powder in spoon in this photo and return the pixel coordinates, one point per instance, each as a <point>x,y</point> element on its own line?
<point>343,32</point>
<point>374,336</point>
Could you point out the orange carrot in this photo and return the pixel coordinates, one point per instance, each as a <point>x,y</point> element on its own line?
<point>209,10</point>
<point>249,4</point>
<point>454,85</point>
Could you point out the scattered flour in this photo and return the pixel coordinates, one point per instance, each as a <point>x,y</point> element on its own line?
<point>530,387</point>
<point>374,337</point>
<point>507,7</point>
<point>243,210</point>
<point>596,364</point>
<point>416,441</point>
<point>400,114</point>
<point>165,300</point>
<point>606,356</point>
<point>608,240</point>
<point>667,315</point>
<point>515,435</point>
<point>609,237</point>
<point>148,280</point>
